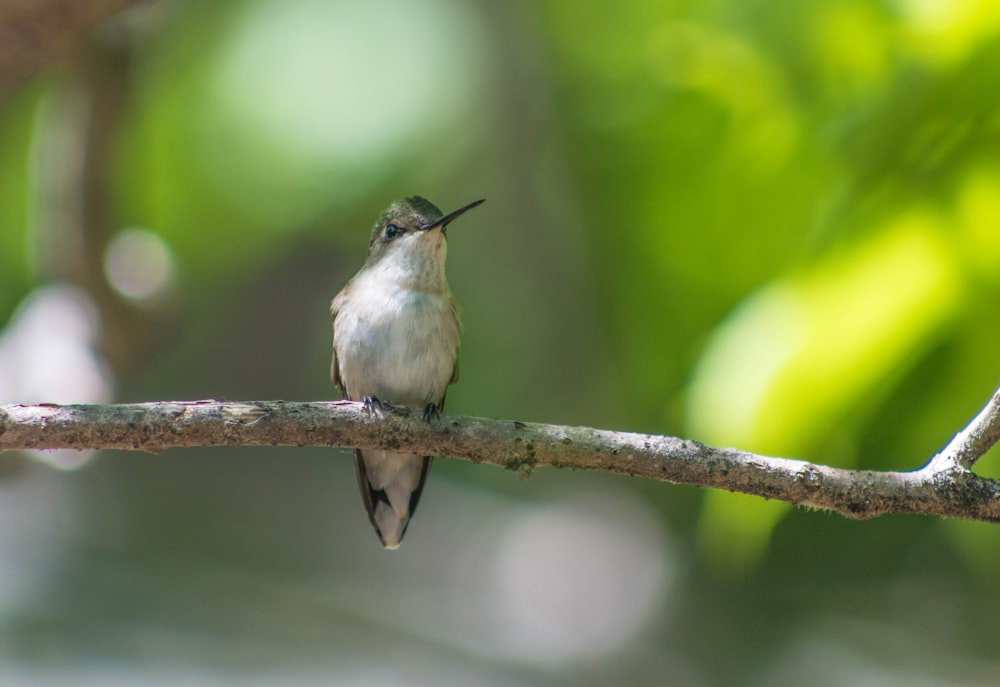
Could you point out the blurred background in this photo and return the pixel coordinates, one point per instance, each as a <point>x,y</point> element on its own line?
<point>776,228</point>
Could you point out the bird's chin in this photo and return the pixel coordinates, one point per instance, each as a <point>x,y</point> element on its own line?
<point>433,240</point>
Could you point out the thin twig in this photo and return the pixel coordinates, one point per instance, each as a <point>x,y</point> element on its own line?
<point>971,443</point>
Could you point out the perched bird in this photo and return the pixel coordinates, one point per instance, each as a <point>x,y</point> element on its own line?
<point>395,340</point>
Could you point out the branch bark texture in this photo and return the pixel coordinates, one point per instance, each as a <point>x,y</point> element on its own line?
<point>944,487</point>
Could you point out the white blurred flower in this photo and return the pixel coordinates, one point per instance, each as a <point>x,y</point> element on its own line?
<point>47,356</point>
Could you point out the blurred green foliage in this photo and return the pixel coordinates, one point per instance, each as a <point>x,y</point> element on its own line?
<point>15,127</point>
<point>771,226</point>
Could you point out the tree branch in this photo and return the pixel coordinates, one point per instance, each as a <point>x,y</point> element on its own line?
<point>944,487</point>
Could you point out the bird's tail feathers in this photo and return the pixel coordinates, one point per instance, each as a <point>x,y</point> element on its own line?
<point>391,484</point>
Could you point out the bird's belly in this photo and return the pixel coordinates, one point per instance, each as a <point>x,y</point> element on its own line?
<point>403,355</point>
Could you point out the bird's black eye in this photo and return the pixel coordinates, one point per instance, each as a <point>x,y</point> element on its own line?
<point>392,231</point>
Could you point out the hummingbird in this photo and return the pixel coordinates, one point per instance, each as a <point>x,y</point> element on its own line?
<point>395,340</point>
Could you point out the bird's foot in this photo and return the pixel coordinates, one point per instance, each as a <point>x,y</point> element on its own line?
<point>373,406</point>
<point>431,412</point>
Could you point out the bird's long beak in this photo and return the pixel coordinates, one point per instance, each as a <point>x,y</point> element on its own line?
<point>447,219</point>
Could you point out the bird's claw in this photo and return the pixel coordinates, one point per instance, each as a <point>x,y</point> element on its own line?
<point>373,406</point>
<point>431,412</point>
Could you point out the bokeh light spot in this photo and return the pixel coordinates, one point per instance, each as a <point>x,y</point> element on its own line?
<point>570,583</point>
<point>138,264</point>
<point>311,101</point>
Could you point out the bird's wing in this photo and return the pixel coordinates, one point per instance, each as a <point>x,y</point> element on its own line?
<point>456,313</point>
<point>335,372</point>
<point>334,367</point>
